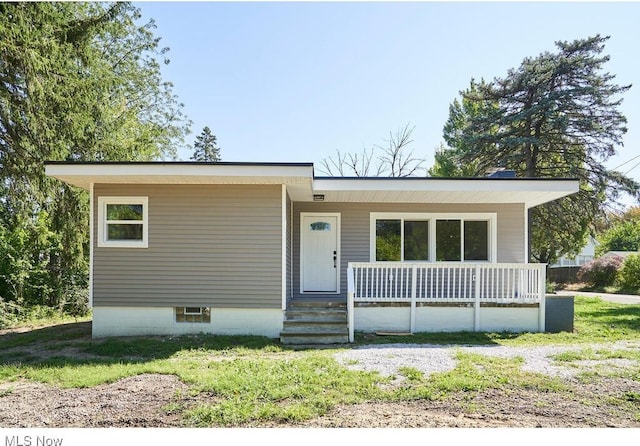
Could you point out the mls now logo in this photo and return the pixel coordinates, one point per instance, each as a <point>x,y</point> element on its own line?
<point>28,440</point>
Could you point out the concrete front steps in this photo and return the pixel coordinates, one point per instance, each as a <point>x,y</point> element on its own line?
<point>315,321</point>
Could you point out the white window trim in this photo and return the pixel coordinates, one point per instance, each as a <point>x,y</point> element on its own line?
<point>188,313</point>
<point>432,217</point>
<point>102,222</point>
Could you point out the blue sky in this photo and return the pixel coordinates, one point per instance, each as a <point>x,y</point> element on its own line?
<point>296,81</point>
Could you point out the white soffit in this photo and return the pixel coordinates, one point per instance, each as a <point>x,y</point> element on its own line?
<point>82,175</point>
<point>531,192</point>
<point>302,186</point>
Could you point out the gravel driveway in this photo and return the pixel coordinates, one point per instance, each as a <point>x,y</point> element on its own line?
<point>388,358</point>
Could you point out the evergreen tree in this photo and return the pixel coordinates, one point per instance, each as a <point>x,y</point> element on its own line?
<point>78,81</point>
<point>554,116</point>
<point>448,161</point>
<point>205,147</point>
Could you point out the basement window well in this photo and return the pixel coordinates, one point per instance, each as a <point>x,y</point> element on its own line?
<point>193,314</point>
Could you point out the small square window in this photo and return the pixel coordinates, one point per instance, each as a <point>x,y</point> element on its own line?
<point>123,222</point>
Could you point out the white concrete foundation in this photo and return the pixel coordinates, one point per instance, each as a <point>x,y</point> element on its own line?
<point>442,319</point>
<point>371,319</point>
<point>508,319</point>
<point>135,321</point>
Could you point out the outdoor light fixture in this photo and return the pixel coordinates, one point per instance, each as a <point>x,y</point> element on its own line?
<point>318,197</point>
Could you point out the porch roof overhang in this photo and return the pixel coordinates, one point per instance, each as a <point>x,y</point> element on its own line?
<point>532,192</point>
<point>302,185</point>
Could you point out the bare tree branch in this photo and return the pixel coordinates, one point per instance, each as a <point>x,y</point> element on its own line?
<point>394,159</point>
<point>333,167</point>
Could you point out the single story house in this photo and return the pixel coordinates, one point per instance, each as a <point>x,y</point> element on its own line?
<point>270,249</point>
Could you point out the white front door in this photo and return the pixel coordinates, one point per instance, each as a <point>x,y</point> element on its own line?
<point>320,259</point>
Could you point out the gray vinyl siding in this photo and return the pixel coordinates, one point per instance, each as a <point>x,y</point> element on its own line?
<point>209,245</point>
<point>355,227</point>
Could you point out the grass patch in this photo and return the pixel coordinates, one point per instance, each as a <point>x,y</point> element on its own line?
<point>592,354</point>
<point>39,316</point>
<point>165,347</point>
<point>633,397</point>
<point>600,321</point>
<point>76,374</point>
<point>277,390</point>
<point>476,373</point>
<point>47,333</point>
<point>601,363</point>
<point>411,373</point>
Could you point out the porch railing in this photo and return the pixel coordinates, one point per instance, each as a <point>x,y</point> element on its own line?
<point>461,283</point>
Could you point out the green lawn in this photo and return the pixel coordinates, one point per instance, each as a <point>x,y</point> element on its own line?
<point>254,379</point>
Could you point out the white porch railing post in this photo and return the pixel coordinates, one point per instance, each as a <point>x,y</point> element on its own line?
<point>476,303</point>
<point>414,292</point>
<point>350,305</point>
<point>542,296</point>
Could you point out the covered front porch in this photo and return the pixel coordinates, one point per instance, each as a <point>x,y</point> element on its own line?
<point>419,297</point>
<point>415,255</point>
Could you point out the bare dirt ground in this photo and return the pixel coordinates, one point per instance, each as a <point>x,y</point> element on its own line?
<point>145,401</point>
<point>141,401</point>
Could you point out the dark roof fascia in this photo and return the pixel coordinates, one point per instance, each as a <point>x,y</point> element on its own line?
<point>445,178</point>
<point>183,163</point>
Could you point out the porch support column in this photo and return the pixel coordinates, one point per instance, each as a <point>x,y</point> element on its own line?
<point>526,235</point>
<point>542,296</point>
<point>350,304</point>
<point>414,282</point>
<point>91,225</point>
<point>283,239</point>
<point>476,301</point>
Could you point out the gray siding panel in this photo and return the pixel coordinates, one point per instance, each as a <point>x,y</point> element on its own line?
<point>209,245</point>
<point>355,228</point>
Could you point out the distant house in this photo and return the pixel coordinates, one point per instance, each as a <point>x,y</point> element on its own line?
<point>587,254</point>
<point>270,249</point>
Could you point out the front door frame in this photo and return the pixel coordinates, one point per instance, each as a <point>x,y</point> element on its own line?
<point>302,253</point>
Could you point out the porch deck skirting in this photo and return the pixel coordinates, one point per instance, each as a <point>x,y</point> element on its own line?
<point>421,297</point>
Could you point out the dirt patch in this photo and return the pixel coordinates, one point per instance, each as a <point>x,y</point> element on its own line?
<point>146,401</point>
<point>138,401</point>
<point>492,408</point>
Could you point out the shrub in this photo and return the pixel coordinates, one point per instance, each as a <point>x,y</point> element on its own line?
<point>600,272</point>
<point>624,236</point>
<point>629,274</point>
<point>8,313</point>
<point>75,301</point>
